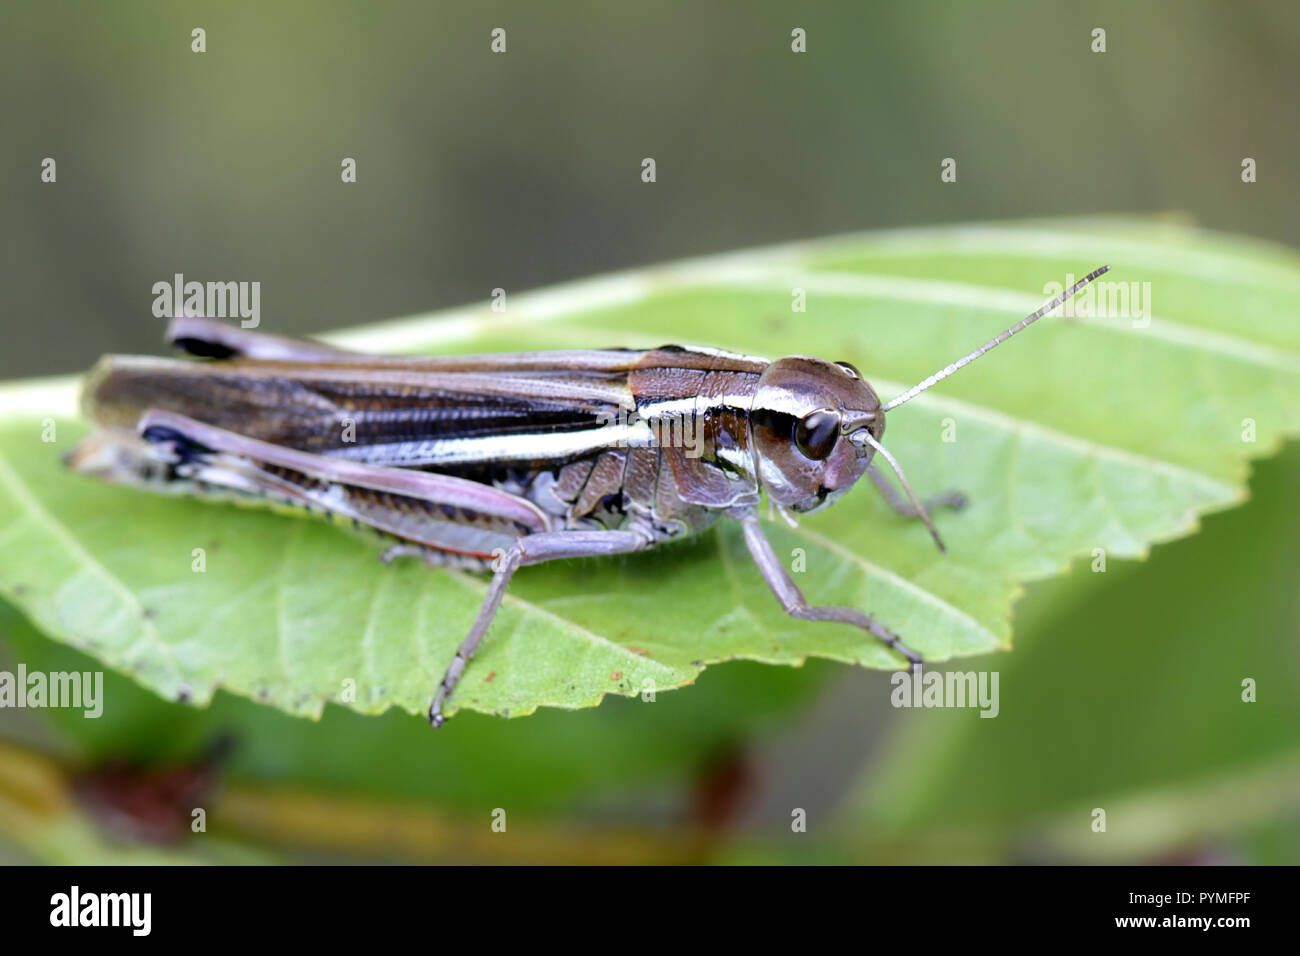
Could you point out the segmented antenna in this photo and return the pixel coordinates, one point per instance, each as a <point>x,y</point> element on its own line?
<point>991,344</point>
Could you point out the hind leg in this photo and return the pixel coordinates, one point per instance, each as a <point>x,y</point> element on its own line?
<point>533,549</point>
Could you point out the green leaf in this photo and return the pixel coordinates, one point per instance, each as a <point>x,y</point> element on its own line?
<point>532,767</point>
<point>1080,435</point>
<point>1126,693</point>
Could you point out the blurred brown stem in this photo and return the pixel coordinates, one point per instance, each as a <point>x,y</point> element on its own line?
<point>37,788</point>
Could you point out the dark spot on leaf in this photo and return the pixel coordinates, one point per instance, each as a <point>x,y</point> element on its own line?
<point>488,679</point>
<point>617,675</point>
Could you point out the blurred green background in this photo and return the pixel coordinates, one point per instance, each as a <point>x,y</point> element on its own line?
<point>477,171</point>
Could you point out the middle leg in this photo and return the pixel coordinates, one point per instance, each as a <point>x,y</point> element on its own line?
<point>796,605</point>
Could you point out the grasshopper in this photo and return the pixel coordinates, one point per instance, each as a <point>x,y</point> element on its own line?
<point>496,462</point>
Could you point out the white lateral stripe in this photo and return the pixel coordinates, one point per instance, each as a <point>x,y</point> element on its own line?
<point>488,448</point>
<point>697,403</point>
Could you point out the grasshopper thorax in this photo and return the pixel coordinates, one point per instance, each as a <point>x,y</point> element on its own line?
<point>805,416</point>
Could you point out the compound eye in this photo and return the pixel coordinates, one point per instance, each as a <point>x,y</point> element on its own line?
<point>816,434</point>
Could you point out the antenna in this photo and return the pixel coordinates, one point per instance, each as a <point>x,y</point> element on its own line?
<point>991,344</point>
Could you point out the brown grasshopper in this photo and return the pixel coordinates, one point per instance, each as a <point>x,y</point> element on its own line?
<point>494,462</point>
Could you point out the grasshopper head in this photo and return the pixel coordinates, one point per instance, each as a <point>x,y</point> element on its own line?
<point>805,415</point>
